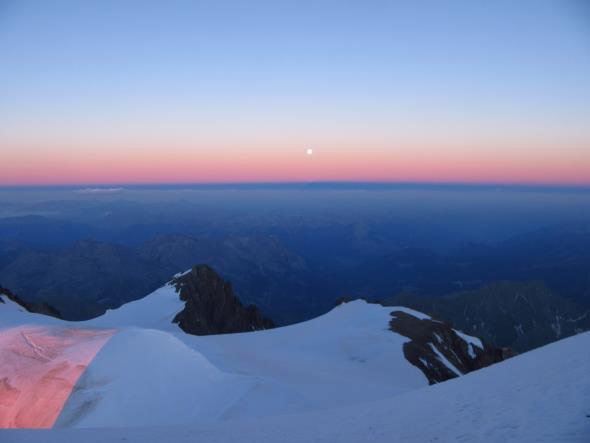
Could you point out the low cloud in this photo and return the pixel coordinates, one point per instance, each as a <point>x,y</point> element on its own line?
<point>98,190</point>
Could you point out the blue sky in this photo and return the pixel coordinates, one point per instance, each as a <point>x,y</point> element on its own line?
<point>379,82</point>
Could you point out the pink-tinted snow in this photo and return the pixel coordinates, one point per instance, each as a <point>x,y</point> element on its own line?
<point>39,367</point>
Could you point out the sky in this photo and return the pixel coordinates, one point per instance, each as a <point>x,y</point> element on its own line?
<point>232,91</point>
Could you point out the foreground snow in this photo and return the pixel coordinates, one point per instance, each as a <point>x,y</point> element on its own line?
<point>151,373</point>
<point>344,357</point>
<point>150,377</point>
<point>39,367</point>
<point>541,396</point>
<point>340,377</point>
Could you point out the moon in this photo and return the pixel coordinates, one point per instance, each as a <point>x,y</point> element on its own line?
<point>309,151</point>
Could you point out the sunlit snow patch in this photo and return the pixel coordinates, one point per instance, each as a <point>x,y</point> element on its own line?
<point>39,366</point>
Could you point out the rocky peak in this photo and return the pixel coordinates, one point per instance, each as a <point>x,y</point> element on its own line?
<point>439,351</point>
<point>211,307</point>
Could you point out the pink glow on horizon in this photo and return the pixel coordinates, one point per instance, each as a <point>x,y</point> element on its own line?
<point>184,165</point>
<point>39,367</point>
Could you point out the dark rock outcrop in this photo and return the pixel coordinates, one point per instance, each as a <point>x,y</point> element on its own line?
<point>211,307</point>
<point>440,352</point>
<point>37,308</point>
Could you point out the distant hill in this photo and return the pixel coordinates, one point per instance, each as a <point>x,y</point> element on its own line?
<point>84,278</point>
<point>88,277</point>
<point>519,315</point>
<point>558,256</point>
<point>35,229</point>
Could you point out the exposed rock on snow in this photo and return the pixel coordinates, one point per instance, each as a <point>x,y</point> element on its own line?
<point>440,352</point>
<point>211,307</point>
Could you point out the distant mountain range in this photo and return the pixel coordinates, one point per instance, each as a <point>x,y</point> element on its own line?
<point>559,257</point>
<point>518,315</point>
<point>88,277</point>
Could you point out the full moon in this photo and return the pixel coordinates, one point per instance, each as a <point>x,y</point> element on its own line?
<point>309,151</point>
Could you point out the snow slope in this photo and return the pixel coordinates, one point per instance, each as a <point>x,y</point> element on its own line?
<point>155,311</point>
<point>540,396</point>
<point>343,357</point>
<point>39,367</point>
<point>13,314</point>
<point>339,377</point>
<point>145,376</point>
<point>152,373</point>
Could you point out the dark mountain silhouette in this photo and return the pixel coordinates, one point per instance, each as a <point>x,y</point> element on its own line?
<point>559,257</point>
<point>518,315</point>
<point>88,277</point>
<point>38,308</point>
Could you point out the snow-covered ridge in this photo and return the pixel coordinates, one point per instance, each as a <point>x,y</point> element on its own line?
<point>155,311</point>
<point>343,357</point>
<point>14,314</point>
<point>347,363</point>
<point>346,356</point>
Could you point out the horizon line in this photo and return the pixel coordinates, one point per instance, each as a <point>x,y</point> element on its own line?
<point>296,184</point>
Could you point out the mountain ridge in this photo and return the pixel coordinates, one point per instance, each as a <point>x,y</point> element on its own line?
<point>520,315</point>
